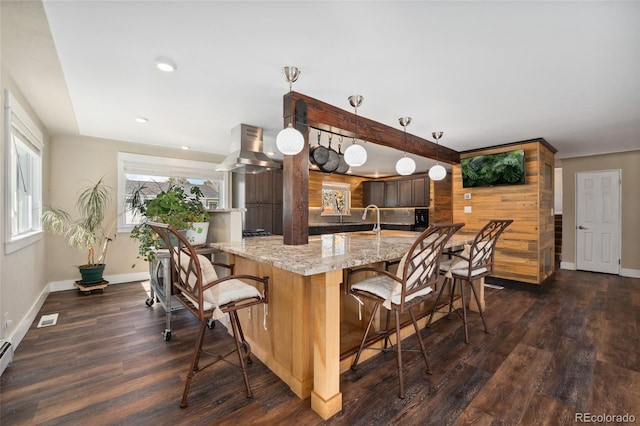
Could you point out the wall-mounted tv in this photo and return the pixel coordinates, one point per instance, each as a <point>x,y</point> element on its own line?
<point>504,168</point>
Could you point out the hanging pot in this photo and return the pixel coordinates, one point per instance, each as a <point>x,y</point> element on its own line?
<point>343,167</point>
<point>319,154</point>
<point>333,160</point>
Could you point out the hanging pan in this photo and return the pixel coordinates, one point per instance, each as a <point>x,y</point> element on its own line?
<point>343,167</point>
<point>333,160</point>
<point>319,154</point>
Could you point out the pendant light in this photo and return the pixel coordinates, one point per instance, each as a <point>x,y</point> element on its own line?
<point>405,165</point>
<point>355,155</point>
<point>437,172</point>
<point>290,141</point>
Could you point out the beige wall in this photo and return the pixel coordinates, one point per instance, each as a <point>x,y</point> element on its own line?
<point>77,161</point>
<point>22,273</point>
<point>629,164</point>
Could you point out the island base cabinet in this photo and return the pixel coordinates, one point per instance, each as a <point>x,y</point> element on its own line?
<point>311,330</point>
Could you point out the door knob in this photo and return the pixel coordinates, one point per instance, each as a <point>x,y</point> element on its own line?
<point>581,227</point>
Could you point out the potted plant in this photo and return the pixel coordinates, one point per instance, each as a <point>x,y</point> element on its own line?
<point>173,206</point>
<point>86,232</point>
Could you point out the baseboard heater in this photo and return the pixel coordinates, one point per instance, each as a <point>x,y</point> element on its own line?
<point>6,355</point>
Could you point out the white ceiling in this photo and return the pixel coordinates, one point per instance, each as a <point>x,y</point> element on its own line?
<point>485,73</point>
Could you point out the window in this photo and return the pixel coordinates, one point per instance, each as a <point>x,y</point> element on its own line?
<point>155,173</point>
<point>336,199</point>
<point>24,144</point>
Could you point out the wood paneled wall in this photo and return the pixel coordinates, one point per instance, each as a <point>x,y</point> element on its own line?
<point>525,251</point>
<point>440,206</point>
<point>315,187</point>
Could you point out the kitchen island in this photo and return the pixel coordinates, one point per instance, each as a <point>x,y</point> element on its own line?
<point>307,311</point>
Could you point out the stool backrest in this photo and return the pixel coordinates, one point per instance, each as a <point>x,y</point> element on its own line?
<point>482,250</point>
<point>186,264</point>
<point>419,268</point>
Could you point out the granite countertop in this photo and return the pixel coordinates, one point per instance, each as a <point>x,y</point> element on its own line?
<point>327,252</point>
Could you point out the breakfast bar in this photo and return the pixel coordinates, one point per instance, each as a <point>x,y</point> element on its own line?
<point>300,337</point>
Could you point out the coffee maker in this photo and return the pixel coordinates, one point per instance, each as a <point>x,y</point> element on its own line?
<point>421,219</point>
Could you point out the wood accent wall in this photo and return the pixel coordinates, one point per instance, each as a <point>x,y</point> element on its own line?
<point>525,252</point>
<point>315,187</point>
<point>440,205</point>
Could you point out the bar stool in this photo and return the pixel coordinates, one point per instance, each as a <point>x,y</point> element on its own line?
<point>198,288</point>
<point>417,272</point>
<point>473,263</point>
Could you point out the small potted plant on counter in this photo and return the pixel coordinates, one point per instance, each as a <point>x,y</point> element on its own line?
<point>173,206</point>
<point>87,232</point>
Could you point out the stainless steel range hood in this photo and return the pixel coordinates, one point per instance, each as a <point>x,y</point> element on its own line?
<point>247,155</point>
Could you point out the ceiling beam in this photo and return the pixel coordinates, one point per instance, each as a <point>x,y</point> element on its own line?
<point>324,116</point>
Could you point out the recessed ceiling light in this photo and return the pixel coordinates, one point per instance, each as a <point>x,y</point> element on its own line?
<point>166,64</point>
<point>186,148</point>
<point>142,119</point>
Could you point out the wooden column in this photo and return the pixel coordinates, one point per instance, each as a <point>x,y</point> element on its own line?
<point>295,174</point>
<point>326,398</point>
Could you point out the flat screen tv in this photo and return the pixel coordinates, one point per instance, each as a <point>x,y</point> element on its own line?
<point>504,168</point>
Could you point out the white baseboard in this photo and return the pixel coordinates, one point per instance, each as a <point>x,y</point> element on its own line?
<point>624,272</point>
<point>23,326</point>
<point>25,323</point>
<point>113,279</point>
<point>631,273</point>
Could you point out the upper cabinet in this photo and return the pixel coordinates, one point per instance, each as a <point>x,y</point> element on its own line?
<point>403,192</point>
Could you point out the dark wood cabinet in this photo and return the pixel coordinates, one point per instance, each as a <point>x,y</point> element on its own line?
<point>259,188</point>
<point>277,219</point>
<point>403,192</point>
<point>259,216</point>
<point>391,193</point>
<point>420,192</point>
<point>373,193</point>
<point>277,186</point>
<point>263,201</point>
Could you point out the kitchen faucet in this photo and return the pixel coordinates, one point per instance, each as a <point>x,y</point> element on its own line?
<point>376,227</point>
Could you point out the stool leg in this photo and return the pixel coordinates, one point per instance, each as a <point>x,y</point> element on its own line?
<point>399,354</point>
<point>473,290</point>
<point>366,333</point>
<point>235,324</point>
<point>422,346</point>
<point>435,306</point>
<point>464,313</point>
<point>194,363</point>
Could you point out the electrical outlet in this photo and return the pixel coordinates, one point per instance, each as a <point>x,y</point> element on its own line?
<point>467,209</point>
<point>467,196</point>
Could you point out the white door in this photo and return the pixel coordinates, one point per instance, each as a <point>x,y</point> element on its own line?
<point>598,221</point>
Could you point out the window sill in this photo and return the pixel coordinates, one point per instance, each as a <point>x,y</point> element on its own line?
<point>22,242</point>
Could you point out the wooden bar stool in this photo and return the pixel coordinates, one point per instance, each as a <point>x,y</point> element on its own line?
<point>417,273</point>
<point>473,263</point>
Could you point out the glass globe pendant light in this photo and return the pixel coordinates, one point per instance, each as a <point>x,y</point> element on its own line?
<point>289,140</point>
<point>405,165</point>
<point>437,172</point>
<point>355,155</point>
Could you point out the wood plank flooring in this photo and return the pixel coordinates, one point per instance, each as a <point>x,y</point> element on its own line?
<point>573,348</point>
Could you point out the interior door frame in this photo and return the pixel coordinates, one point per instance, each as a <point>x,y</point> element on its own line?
<point>619,218</point>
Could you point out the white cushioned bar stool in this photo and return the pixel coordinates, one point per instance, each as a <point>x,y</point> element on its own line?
<point>474,262</point>
<point>410,285</point>
<point>197,286</point>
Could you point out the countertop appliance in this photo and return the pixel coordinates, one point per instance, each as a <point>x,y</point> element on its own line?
<point>421,220</point>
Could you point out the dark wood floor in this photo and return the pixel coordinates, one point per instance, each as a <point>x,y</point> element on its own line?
<point>572,348</point>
